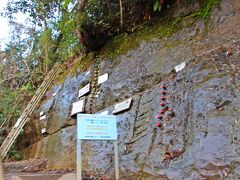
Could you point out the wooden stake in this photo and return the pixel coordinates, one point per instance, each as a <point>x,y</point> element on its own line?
<point>1,171</point>
<point>116,159</point>
<point>79,160</point>
<point>121,13</point>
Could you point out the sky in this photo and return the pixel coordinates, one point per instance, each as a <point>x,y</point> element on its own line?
<point>3,24</point>
<point>4,27</point>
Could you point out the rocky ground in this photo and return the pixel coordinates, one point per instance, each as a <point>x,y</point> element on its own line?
<point>199,140</point>
<point>34,170</point>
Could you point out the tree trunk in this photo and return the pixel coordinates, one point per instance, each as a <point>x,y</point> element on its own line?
<point>80,8</point>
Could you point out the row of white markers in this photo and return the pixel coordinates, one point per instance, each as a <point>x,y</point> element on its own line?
<point>43,116</point>
<point>79,106</point>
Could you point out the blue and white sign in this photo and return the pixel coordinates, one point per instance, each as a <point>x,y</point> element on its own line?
<point>96,127</point>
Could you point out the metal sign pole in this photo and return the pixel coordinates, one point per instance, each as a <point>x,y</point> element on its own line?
<point>79,160</point>
<point>116,159</point>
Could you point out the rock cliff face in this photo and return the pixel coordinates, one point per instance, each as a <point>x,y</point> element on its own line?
<point>202,139</point>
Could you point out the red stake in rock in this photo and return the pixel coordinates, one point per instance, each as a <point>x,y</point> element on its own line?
<point>164,93</point>
<point>162,111</point>
<point>162,104</point>
<point>159,125</point>
<point>164,87</point>
<point>162,98</point>
<point>159,117</point>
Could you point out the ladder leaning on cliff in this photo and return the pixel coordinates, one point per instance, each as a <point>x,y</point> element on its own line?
<point>24,118</point>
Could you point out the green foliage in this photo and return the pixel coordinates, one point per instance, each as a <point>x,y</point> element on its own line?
<point>26,89</point>
<point>66,3</point>
<point>13,154</point>
<point>46,45</point>
<point>157,6</point>
<point>121,44</point>
<point>7,100</point>
<point>13,101</point>
<point>68,45</point>
<point>40,11</point>
<point>205,11</point>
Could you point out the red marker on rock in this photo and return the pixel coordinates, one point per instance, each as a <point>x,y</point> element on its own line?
<point>159,117</point>
<point>162,104</point>
<point>159,125</point>
<point>164,93</point>
<point>162,98</point>
<point>164,87</point>
<point>162,111</point>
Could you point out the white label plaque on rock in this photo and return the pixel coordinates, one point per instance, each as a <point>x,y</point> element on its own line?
<point>78,107</point>
<point>104,113</point>
<point>43,117</point>
<point>54,94</point>
<point>41,113</point>
<point>17,123</point>
<point>180,66</point>
<point>44,130</point>
<point>102,79</point>
<point>125,105</point>
<point>87,73</point>
<point>84,90</point>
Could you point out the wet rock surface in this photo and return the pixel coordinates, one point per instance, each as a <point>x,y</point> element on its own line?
<point>205,98</point>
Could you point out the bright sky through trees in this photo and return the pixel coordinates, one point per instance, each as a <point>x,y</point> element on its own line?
<point>4,25</point>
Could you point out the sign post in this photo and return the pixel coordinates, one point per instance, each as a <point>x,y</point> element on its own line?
<point>79,160</point>
<point>96,127</point>
<point>116,160</point>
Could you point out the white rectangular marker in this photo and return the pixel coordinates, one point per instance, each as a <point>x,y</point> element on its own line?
<point>125,105</point>
<point>44,130</point>
<point>54,94</point>
<point>43,117</point>
<point>87,73</point>
<point>78,107</point>
<point>180,66</point>
<point>103,78</point>
<point>84,90</point>
<point>104,113</point>
<point>41,113</point>
<point>17,123</point>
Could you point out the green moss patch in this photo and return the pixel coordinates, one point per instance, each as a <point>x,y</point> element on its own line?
<point>121,44</point>
<point>205,11</point>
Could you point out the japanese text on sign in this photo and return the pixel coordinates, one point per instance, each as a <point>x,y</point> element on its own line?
<point>96,127</point>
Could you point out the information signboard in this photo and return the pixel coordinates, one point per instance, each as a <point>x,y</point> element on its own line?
<point>96,127</point>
